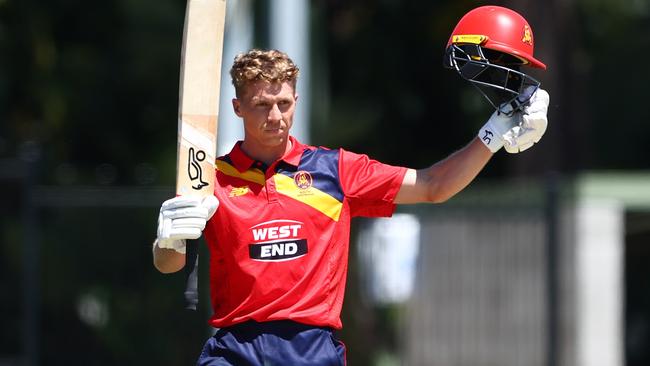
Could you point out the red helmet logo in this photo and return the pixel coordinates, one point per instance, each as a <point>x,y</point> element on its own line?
<point>528,35</point>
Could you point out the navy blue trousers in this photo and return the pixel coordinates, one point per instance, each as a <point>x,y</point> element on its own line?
<point>275,343</point>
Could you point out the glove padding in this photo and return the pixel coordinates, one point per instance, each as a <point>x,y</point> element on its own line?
<point>183,218</point>
<point>491,134</point>
<point>532,125</point>
<point>520,130</point>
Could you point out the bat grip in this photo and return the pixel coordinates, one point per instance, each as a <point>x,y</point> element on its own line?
<point>191,273</point>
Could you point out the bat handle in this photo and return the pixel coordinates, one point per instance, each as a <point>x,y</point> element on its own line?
<point>191,273</point>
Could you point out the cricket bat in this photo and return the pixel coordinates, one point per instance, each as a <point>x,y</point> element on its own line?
<point>198,112</point>
<point>198,109</point>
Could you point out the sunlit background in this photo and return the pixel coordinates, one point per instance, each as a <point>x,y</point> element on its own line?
<point>541,261</point>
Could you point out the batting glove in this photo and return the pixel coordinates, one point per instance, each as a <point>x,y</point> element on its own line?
<point>532,125</point>
<point>491,134</point>
<point>183,218</point>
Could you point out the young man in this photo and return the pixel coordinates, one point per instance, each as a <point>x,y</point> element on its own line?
<point>279,239</point>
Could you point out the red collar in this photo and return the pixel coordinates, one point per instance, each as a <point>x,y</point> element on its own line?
<point>243,162</point>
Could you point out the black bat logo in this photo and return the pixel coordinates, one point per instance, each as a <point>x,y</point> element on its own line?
<point>194,171</point>
<point>488,136</point>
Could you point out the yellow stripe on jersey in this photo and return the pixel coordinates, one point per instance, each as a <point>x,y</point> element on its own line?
<point>251,175</point>
<point>313,197</point>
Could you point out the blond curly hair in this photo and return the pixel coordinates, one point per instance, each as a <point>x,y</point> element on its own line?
<point>267,65</point>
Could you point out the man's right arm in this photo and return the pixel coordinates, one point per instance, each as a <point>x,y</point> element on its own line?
<point>167,260</point>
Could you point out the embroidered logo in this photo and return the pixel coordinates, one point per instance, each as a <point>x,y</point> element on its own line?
<point>238,191</point>
<point>303,179</point>
<point>528,35</point>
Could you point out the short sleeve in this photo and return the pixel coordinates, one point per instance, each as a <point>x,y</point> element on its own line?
<point>369,185</point>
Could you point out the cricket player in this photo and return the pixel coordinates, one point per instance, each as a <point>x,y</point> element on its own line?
<point>278,224</point>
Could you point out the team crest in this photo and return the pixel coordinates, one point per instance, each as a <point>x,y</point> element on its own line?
<point>303,179</point>
<point>528,35</point>
<point>238,191</point>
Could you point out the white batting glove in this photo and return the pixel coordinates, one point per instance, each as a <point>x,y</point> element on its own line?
<point>491,134</point>
<point>183,218</point>
<point>532,125</point>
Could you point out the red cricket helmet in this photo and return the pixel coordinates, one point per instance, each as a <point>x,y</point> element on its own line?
<point>488,47</point>
<point>500,29</point>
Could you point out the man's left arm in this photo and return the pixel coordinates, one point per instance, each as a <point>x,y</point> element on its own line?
<point>443,180</point>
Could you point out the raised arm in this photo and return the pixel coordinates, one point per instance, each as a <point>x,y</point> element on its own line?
<point>444,179</point>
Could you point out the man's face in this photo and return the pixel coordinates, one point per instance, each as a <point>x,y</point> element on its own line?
<point>267,110</point>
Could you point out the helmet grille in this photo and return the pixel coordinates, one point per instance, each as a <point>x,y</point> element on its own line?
<point>495,74</point>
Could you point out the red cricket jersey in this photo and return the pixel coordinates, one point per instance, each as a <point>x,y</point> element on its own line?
<point>279,240</point>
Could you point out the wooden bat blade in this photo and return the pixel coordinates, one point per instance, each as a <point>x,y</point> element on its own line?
<point>198,110</point>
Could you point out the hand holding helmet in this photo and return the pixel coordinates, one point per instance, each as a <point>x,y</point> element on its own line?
<point>517,131</point>
<point>488,47</point>
<point>532,126</point>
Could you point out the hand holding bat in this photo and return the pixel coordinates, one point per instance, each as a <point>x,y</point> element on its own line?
<point>183,218</point>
